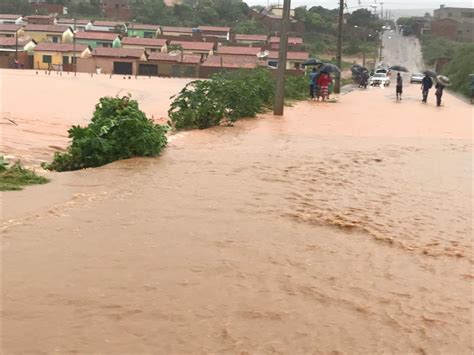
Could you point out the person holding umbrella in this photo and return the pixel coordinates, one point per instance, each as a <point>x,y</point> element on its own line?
<point>426,85</point>
<point>313,79</point>
<point>442,82</point>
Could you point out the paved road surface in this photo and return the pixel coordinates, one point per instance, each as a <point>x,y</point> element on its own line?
<point>401,50</point>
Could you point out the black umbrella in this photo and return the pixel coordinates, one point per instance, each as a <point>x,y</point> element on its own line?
<point>399,68</point>
<point>329,68</point>
<point>312,61</point>
<point>431,73</point>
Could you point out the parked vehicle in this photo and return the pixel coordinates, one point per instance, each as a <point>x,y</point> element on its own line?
<point>379,79</point>
<point>416,78</point>
<point>384,71</point>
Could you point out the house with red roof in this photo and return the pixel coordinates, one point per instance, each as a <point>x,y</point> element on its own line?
<point>168,65</point>
<point>203,49</point>
<point>48,33</point>
<point>250,40</point>
<point>149,44</point>
<point>217,63</point>
<point>11,30</point>
<point>121,61</point>
<point>12,19</point>
<point>220,33</point>
<point>174,31</point>
<point>294,60</point>
<point>294,43</point>
<point>97,39</point>
<point>12,49</point>
<point>59,56</point>
<point>238,51</point>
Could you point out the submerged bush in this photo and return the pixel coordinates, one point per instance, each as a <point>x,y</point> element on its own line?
<point>205,103</point>
<point>14,177</point>
<point>118,130</point>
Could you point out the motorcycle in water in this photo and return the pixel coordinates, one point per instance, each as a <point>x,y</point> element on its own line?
<point>363,81</point>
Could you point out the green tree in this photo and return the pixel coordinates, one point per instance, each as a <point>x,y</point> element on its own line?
<point>21,7</point>
<point>363,18</point>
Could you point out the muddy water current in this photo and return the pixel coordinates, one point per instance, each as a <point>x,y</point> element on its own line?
<point>340,228</point>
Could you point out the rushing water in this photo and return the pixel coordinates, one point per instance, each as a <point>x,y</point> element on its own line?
<point>340,228</point>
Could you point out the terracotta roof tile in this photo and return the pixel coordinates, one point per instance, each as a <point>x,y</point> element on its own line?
<point>59,47</point>
<point>145,42</point>
<point>89,35</point>
<point>9,27</point>
<point>214,29</point>
<point>141,26</point>
<point>11,41</point>
<point>118,53</point>
<point>101,23</point>
<point>257,38</point>
<point>159,56</point>
<point>291,40</point>
<point>70,21</point>
<point>217,61</point>
<point>197,46</point>
<point>246,51</point>
<point>46,28</point>
<point>191,59</point>
<point>9,16</point>
<point>38,17</point>
<point>176,29</point>
<point>166,57</point>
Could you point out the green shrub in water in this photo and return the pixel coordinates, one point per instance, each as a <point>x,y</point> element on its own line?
<point>14,177</point>
<point>118,130</point>
<point>229,95</point>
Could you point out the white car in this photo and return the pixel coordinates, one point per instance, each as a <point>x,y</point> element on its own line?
<point>417,78</point>
<point>379,79</point>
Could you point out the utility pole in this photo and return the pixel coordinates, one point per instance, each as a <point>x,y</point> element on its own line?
<point>74,59</point>
<point>282,57</point>
<point>337,85</point>
<point>16,45</point>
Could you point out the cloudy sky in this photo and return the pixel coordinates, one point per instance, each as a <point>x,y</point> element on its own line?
<point>352,4</point>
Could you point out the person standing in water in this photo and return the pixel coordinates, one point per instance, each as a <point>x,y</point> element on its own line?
<point>439,93</point>
<point>399,89</point>
<point>323,83</point>
<point>313,78</point>
<point>426,85</point>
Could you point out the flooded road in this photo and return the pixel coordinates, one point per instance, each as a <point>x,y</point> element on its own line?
<point>340,228</point>
<point>37,110</point>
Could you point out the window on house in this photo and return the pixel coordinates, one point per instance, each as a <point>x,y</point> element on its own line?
<point>65,59</point>
<point>106,45</point>
<point>450,14</point>
<point>55,39</point>
<point>47,59</point>
<point>9,36</point>
<point>148,34</point>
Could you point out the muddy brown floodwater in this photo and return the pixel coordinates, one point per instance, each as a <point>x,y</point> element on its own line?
<point>339,228</point>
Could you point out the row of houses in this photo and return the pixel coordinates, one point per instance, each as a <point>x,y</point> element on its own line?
<point>133,59</point>
<point>453,23</point>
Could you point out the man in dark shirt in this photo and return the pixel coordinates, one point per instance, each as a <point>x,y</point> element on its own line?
<point>426,85</point>
<point>399,89</point>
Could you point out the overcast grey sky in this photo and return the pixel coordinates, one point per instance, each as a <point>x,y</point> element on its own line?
<point>388,4</point>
